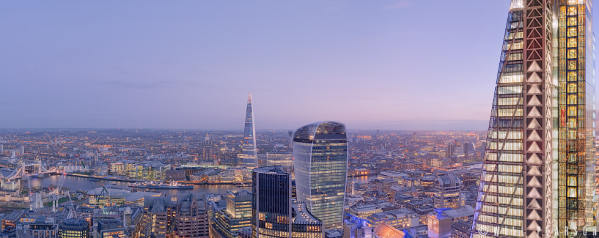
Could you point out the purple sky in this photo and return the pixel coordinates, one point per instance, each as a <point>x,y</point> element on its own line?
<point>379,64</point>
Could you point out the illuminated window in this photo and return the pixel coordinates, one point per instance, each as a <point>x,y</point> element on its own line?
<point>572,54</point>
<point>572,181</point>
<point>572,88</point>
<point>511,89</point>
<point>572,21</point>
<point>571,10</point>
<point>509,101</point>
<point>572,42</point>
<point>571,64</point>
<point>571,76</point>
<point>571,99</point>
<point>571,192</point>
<point>511,78</point>
<point>572,111</point>
<point>572,31</point>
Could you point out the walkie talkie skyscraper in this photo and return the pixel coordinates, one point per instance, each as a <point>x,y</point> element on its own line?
<point>538,169</point>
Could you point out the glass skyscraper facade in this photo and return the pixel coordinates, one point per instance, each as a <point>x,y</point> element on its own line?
<point>274,213</point>
<point>249,156</point>
<point>576,161</point>
<point>320,164</point>
<point>271,203</point>
<point>538,173</point>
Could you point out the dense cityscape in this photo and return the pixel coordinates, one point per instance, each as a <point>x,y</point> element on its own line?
<point>191,183</point>
<point>532,173</point>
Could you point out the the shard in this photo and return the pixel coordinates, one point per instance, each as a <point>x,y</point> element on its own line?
<point>248,156</point>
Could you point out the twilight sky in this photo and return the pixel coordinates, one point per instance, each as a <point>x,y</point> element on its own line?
<point>373,64</point>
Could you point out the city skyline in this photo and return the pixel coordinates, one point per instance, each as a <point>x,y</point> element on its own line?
<point>375,119</point>
<point>161,71</point>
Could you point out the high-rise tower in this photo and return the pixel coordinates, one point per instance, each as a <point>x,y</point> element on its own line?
<point>320,164</point>
<point>537,176</point>
<point>248,154</point>
<point>271,203</point>
<point>515,194</point>
<point>575,153</point>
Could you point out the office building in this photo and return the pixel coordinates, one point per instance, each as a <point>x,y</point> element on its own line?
<point>320,164</point>
<point>468,149</point>
<point>450,150</point>
<point>184,216</point>
<point>236,215</point>
<point>39,227</point>
<point>110,228</point>
<point>271,203</point>
<point>249,152</point>
<point>538,174</point>
<point>73,228</point>
<point>274,212</point>
<point>447,192</point>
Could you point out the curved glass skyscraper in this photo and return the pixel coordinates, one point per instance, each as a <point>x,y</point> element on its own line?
<point>320,164</point>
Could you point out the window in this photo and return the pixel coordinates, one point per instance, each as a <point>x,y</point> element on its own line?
<point>509,101</point>
<point>510,89</point>
<point>571,64</point>
<point>571,99</point>
<point>572,32</point>
<point>509,112</point>
<point>514,56</point>
<point>572,159</point>
<point>572,111</point>
<point>571,76</point>
<point>572,123</point>
<point>571,10</point>
<point>511,78</point>
<point>572,88</point>
<point>572,181</point>
<point>572,21</point>
<point>571,192</point>
<point>572,135</point>
<point>572,54</point>
<point>516,46</point>
<point>572,42</point>
<point>513,68</point>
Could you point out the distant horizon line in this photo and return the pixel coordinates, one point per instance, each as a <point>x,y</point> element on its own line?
<point>402,125</point>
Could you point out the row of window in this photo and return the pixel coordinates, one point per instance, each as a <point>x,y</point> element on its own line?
<point>493,231</point>
<point>505,146</point>
<point>513,135</point>
<point>500,220</point>
<point>509,89</point>
<point>510,101</point>
<point>505,157</point>
<point>505,168</point>
<point>502,210</point>
<point>503,200</point>
<point>511,78</point>
<point>510,179</point>
<point>503,189</point>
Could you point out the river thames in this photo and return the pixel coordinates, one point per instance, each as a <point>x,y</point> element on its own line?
<point>75,184</point>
